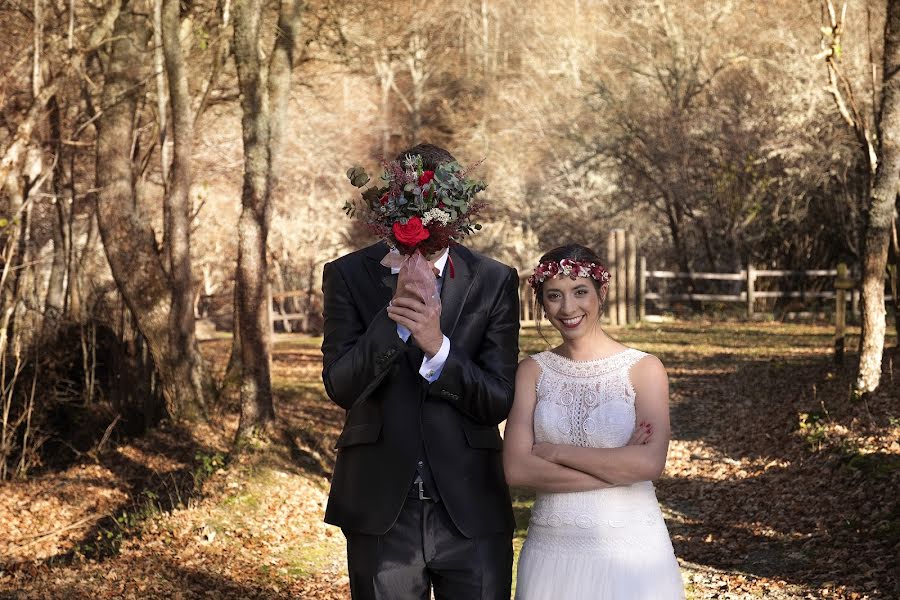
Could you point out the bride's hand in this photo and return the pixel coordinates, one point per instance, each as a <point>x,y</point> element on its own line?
<point>641,435</point>
<point>545,450</point>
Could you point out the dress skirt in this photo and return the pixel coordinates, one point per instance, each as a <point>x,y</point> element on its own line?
<point>609,544</point>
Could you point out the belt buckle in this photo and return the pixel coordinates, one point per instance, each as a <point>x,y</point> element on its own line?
<point>422,495</point>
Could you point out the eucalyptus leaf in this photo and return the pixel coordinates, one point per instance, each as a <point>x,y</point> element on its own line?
<point>372,195</point>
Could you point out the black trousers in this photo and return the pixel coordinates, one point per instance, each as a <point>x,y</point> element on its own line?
<point>424,549</point>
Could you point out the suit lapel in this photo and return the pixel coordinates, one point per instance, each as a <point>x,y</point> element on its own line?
<point>455,289</point>
<point>383,283</point>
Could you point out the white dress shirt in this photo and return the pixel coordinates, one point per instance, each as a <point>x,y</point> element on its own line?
<point>431,367</point>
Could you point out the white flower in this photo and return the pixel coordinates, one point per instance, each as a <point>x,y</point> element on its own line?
<point>436,214</point>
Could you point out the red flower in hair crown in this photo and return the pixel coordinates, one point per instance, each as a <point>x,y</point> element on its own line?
<point>568,268</point>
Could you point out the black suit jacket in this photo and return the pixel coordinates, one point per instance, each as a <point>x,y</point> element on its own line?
<point>392,410</point>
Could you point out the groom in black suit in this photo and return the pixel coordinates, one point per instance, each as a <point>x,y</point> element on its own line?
<point>418,486</point>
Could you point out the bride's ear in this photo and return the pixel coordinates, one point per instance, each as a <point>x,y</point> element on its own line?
<point>601,293</point>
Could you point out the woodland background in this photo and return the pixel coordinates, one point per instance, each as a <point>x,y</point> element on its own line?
<point>166,165</point>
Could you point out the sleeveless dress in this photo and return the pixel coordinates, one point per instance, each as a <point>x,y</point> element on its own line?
<point>602,544</point>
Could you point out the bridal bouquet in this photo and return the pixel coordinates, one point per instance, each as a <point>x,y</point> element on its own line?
<point>418,213</point>
<point>415,210</point>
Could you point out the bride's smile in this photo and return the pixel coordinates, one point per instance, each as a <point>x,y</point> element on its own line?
<point>572,305</point>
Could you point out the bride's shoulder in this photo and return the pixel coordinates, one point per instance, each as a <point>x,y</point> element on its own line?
<point>530,367</point>
<point>647,366</point>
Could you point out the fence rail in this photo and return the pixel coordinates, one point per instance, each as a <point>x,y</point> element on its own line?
<point>628,294</point>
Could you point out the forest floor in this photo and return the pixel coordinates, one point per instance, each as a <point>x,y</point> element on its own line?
<point>779,484</point>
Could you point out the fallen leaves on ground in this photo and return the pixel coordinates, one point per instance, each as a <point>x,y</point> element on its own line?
<point>779,484</point>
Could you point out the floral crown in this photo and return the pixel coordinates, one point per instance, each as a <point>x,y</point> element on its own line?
<point>568,268</point>
<point>414,209</point>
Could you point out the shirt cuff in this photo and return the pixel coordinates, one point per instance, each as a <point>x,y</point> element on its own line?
<point>432,367</point>
<point>403,332</point>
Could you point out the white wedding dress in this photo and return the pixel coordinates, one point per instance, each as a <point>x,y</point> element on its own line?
<point>605,544</point>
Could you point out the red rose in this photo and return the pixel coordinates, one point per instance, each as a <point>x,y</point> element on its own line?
<point>384,199</point>
<point>425,177</point>
<point>412,233</point>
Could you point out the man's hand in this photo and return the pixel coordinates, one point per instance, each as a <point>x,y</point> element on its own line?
<point>422,320</point>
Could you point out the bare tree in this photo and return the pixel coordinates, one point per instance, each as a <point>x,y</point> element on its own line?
<point>882,210</point>
<point>130,244</point>
<point>878,132</point>
<point>178,207</point>
<point>264,95</point>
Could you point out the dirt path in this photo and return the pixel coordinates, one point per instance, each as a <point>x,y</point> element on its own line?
<point>778,485</point>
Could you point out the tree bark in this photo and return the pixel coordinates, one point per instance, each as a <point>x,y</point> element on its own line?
<point>128,241</point>
<point>264,98</point>
<point>54,302</point>
<point>183,349</point>
<point>881,211</point>
<point>257,410</point>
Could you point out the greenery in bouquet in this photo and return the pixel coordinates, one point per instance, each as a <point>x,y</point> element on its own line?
<point>414,209</point>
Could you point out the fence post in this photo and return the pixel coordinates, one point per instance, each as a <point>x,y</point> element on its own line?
<point>842,283</point>
<point>631,283</point>
<point>621,275</point>
<point>270,302</point>
<point>525,300</point>
<point>751,289</point>
<point>611,298</point>
<point>642,289</point>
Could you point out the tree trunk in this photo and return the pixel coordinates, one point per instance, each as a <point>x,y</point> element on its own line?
<point>54,302</point>
<point>881,211</point>
<point>183,349</point>
<point>129,242</point>
<point>384,68</point>
<point>253,226</point>
<point>895,278</point>
<point>234,369</point>
<point>258,124</point>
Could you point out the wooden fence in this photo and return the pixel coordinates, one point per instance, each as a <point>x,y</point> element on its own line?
<point>630,280</point>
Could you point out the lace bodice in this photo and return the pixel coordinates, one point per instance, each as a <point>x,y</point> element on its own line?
<point>599,544</point>
<point>585,403</point>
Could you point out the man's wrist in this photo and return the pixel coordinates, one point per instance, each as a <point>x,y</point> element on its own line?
<point>433,348</point>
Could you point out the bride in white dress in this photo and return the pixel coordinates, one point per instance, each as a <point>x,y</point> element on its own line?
<point>589,430</point>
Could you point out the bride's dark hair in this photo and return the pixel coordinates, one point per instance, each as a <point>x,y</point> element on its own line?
<point>575,252</point>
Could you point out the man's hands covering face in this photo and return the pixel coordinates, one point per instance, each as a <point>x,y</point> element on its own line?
<point>417,306</point>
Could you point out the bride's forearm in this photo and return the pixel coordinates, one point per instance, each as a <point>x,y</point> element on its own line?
<point>545,476</point>
<point>620,466</point>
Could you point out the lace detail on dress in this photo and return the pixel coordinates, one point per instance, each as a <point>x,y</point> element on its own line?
<point>604,544</point>
<point>585,403</point>
<point>589,521</point>
<point>655,541</point>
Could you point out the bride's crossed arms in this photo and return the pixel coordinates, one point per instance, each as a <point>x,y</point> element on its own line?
<point>548,467</point>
